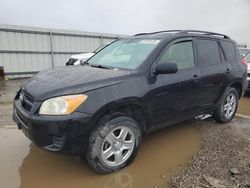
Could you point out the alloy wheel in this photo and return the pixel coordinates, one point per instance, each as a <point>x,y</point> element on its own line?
<point>118,146</point>
<point>229,106</point>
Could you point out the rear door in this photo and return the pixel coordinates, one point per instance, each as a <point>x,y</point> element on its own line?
<point>213,71</point>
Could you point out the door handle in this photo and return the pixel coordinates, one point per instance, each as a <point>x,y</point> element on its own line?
<point>195,78</point>
<point>228,70</point>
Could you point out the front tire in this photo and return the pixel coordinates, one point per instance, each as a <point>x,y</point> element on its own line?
<point>227,107</point>
<point>114,143</point>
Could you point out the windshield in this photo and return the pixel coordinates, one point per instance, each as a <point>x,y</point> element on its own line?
<point>100,48</point>
<point>127,54</point>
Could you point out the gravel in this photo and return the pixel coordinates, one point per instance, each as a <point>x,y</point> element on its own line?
<point>223,160</point>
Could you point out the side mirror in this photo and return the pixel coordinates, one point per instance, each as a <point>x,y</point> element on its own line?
<point>166,68</point>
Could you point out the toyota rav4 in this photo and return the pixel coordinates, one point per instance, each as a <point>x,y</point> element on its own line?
<point>103,108</point>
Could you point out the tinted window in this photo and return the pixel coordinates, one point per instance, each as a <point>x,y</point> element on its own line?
<point>248,58</point>
<point>208,52</point>
<point>228,48</point>
<point>181,53</point>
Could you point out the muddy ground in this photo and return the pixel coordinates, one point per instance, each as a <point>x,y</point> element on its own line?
<point>191,154</point>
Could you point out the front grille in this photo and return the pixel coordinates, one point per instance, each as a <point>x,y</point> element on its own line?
<point>26,100</point>
<point>21,117</point>
<point>71,61</point>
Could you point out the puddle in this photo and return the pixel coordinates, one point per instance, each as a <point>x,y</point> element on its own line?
<point>162,154</point>
<point>13,149</point>
<point>244,106</point>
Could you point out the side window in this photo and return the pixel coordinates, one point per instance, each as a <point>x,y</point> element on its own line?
<point>228,48</point>
<point>208,52</point>
<point>181,53</point>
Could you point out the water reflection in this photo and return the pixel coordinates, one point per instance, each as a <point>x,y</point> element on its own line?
<point>161,154</point>
<point>120,179</point>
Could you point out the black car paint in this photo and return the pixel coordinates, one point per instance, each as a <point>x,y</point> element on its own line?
<point>74,79</point>
<point>168,98</point>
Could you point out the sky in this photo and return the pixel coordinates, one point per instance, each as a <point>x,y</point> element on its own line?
<point>129,17</point>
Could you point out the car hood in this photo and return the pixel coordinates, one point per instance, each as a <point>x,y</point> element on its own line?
<point>82,56</point>
<point>71,80</point>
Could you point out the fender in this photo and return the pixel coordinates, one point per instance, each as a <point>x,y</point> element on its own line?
<point>126,104</point>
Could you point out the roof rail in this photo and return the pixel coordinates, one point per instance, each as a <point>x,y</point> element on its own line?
<point>167,31</point>
<point>187,31</point>
<point>205,33</point>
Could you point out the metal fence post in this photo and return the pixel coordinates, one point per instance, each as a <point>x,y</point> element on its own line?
<point>51,48</point>
<point>101,40</point>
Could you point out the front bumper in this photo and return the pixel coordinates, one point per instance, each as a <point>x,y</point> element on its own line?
<point>67,134</point>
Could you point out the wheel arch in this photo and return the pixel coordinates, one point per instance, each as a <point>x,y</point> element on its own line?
<point>131,107</point>
<point>238,86</point>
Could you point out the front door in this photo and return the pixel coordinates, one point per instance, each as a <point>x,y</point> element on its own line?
<point>174,94</point>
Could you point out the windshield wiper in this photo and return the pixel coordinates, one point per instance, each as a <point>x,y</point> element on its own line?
<point>99,66</point>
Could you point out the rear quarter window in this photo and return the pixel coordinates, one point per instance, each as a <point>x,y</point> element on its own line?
<point>229,50</point>
<point>208,52</point>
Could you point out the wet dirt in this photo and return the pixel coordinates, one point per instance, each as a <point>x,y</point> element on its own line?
<point>8,89</point>
<point>244,106</point>
<point>225,148</point>
<point>6,114</point>
<point>161,155</point>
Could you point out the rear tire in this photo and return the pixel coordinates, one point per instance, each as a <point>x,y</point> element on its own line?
<point>227,107</point>
<point>114,144</point>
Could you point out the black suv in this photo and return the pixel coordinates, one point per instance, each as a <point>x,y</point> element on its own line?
<point>103,108</point>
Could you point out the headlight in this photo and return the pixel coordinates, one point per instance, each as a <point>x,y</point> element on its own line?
<point>62,105</point>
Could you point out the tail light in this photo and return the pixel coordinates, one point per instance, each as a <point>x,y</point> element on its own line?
<point>244,61</point>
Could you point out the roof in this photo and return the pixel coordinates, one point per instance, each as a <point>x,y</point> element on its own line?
<point>163,34</point>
